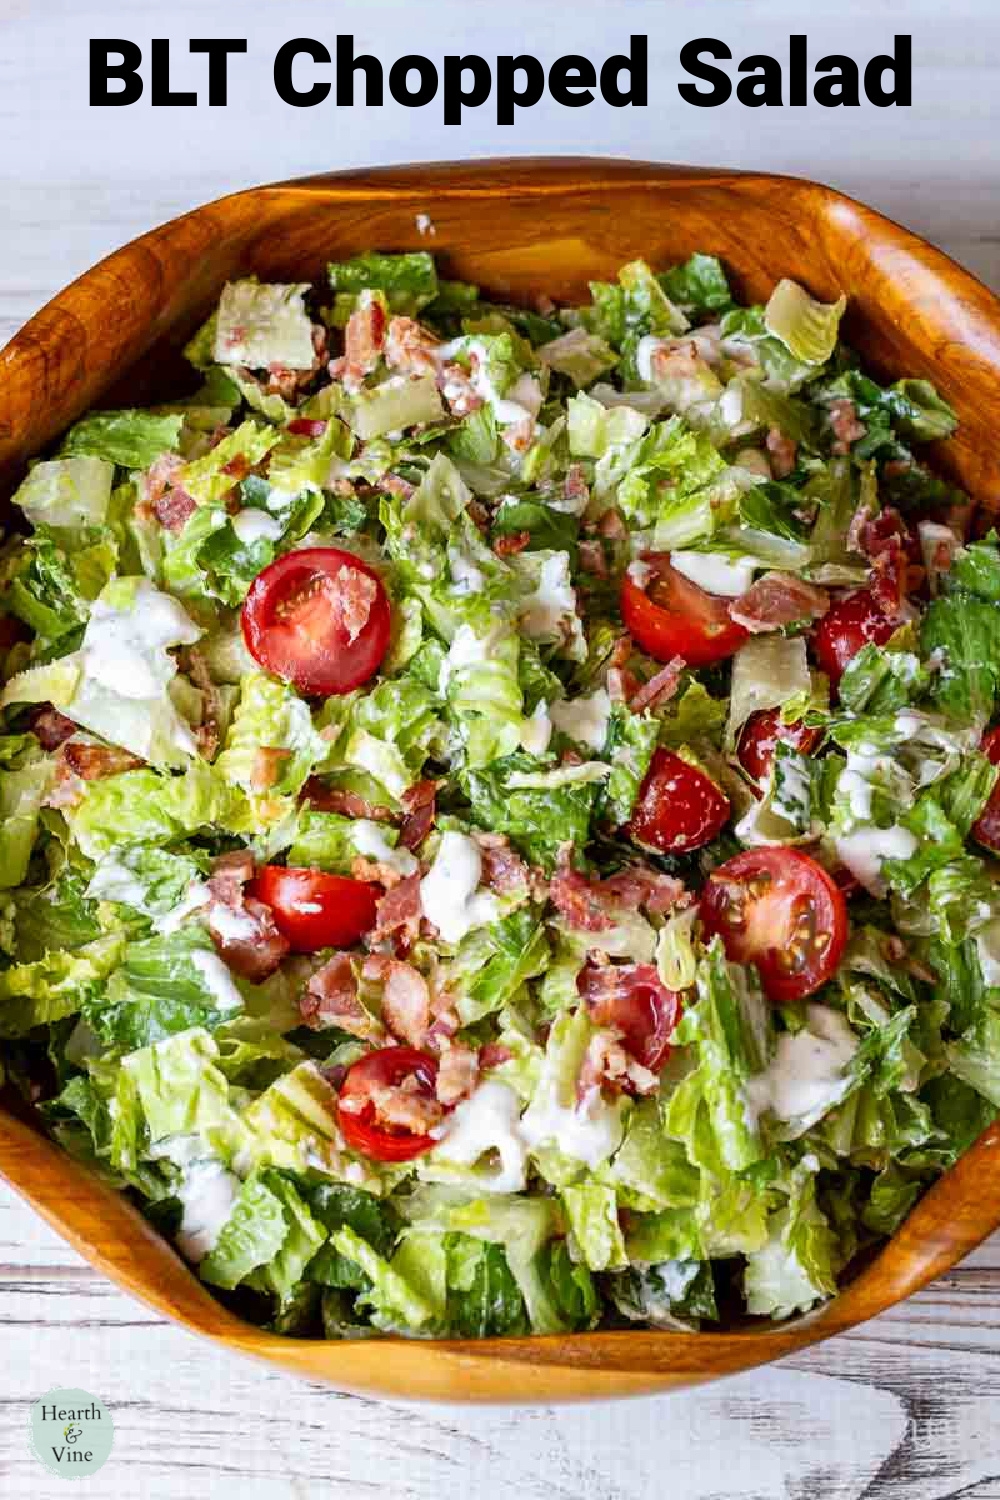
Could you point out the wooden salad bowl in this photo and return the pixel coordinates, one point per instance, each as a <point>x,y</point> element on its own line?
<point>517,228</point>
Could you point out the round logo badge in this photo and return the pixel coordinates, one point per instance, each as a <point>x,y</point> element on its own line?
<point>71,1433</point>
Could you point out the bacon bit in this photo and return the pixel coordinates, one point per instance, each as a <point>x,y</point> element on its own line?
<point>307,427</point>
<point>612,526</point>
<point>267,767</point>
<point>575,486</point>
<point>257,949</point>
<point>776,600</point>
<point>494,1055</point>
<point>410,347</point>
<point>503,871</point>
<point>510,546</point>
<point>400,1106</point>
<point>479,515</point>
<point>782,451</point>
<point>406,999</point>
<point>860,523</point>
<point>607,1062</point>
<point>375,872</point>
<point>331,999</point>
<point>364,341</point>
<point>394,484</point>
<point>230,873</point>
<point>458,1069</point>
<point>637,886</point>
<point>169,503</point>
<point>95,762</point>
<point>209,731</point>
<point>333,799</point>
<point>238,467</point>
<point>887,532</point>
<point>847,429</point>
<point>50,727</point>
<point>579,901</point>
<point>622,685</point>
<point>398,913</point>
<point>660,688</point>
<point>592,558</point>
<point>67,789</point>
<point>420,809</point>
<point>888,580</point>
<point>455,385</point>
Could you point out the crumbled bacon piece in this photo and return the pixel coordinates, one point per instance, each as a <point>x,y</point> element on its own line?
<point>209,731</point>
<point>364,341</point>
<point>638,885</point>
<point>776,600</point>
<point>50,727</point>
<point>406,999</point>
<point>267,767</point>
<point>847,429</point>
<point>579,901</point>
<point>230,873</point>
<point>398,913</point>
<point>622,685</point>
<point>350,595</point>
<point>494,1055</point>
<point>478,515</point>
<point>401,1106</point>
<point>95,762</point>
<point>247,938</point>
<point>660,688</point>
<point>331,999</point>
<point>455,385</point>
<point>888,580</point>
<point>575,486</point>
<point>67,788</point>
<point>348,804</point>
<point>503,870</point>
<point>420,810</point>
<point>170,503</point>
<point>592,558</point>
<point>458,1069</point>
<point>511,545</point>
<point>606,1061</point>
<point>374,872</point>
<point>395,484</point>
<point>612,526</point>
<point>858,528</point>
<point>410,347</point>
<point>782,451</point>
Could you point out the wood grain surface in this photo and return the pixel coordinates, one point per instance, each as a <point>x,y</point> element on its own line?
<point>905,1406</point>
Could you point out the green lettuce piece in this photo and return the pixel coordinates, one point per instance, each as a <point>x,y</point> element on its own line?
<point>67,492</point>
<point>258,324</point>
<point>650,1171</point>
<point>56,916</point>
<point>797,1266</point>
<point>911,408</point>
<point>595,430</point>
<point>660,481</point>
<point>21,793</point>
<point>148,880</point>
<point>629,747</point>
<point>206,480</point>
<point>767,671</point>
<point>270,715</point>
<point>592,1211</point>
<point>698,286</point>
<point>268,1240</point>
<point>298,464</point>
<point>538,821</point>
<point>647,306</point>
<point>673,1294</point>
<point>492,963</point>
<point>145,807</point>
<point>408,282</point>
<point>483,1298</point>
<point>580,355</point>
<point>56,985</point>
<point>164,985</point>
<point>180,1090</point>
<point>745,333</point>
<point>336,1205</point>
<point>966,633</point>
<point>975,569</point>
<point>392,1300</point>
<point>133,439</point>
<point>807,328</point>
<point>391,408</point>
<point>292,1126</point>
<point>880,681</point>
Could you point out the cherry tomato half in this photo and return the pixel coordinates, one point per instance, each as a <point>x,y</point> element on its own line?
<point>760,734</point>
<point>679,808</point>
<point>846,627</point>
<point>387,1068</point>
<point>778,909</point>
<point>674,617</point>
<point>318,618</point>
<point>986,828</point>
<point>634,1000</point>
<point>315,910</point>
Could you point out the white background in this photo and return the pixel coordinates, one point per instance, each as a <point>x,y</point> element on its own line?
<point>903,1408</point>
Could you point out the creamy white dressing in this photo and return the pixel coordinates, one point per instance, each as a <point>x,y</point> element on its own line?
<point>863,852</point>
<point>197,896</point>
<point>589,1130</point>
<point>254,525</point>
<point>113,881</point>
<point>217,980</point>
<point>207,1192</point>
<point>645,353</point>
<point>126,649</point>
<point>584,719</point>
<point>552,601</point>
<point>713,572</point>
<point>465,576</point>
<point>449,891</point>
<point>805,1077</point>
<point>466,650</point>
<point>370,841</point>
<point>231,925</point>
<point>487,1122</point>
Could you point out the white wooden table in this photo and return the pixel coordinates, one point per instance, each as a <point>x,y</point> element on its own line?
<point>903,1409</point>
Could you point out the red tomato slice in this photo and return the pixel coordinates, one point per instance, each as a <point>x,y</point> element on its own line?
<point>674,617</point>
<point>318,618</point>
<point>636,1003</point>
<point>310,427</point>
<point>760,734</point>
<point>679,808</point>
<point>315,910</point>
<point>780,910</point>
<point>986,828</point>
<point>387,1068</point>
<point>846,627</point>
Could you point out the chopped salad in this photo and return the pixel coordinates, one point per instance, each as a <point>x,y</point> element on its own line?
<point>499,804</point>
